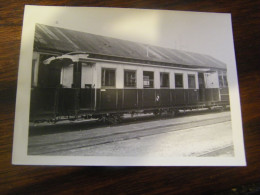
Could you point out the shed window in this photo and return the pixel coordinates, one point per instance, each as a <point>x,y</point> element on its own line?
<point>178,81</point>
<point>148,79</point>
<point>130,78</point>
<point>108,77</point>
<point>191,81</point>
<point>164,79</point>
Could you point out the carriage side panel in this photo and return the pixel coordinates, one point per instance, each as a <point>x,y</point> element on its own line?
<point>192,96</point>
<point>108,99</point>
<point>165,97</point>
<point>224,94</point>
<point>212,94</point>
<point>130,98</point>
<point>148,97</point>
<point>179,98</point>
<point>42,101</point>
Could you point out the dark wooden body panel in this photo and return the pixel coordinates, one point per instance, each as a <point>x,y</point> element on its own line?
<point>192,96</point>
<point>165,99</point>
<point>86,98</point>
<point>148,97</point>
<point>73,101</point>
<point>68,100</point>
<point>42,100</point>
<point>212,94</point>
<point>130,99</point>
<point>178,97</point>
<point>108,99</point>
<point>224,94</point>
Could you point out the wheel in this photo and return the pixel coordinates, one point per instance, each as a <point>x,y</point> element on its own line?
<point>157,113</point>
<point>173,113</point>
<point>113,119</point>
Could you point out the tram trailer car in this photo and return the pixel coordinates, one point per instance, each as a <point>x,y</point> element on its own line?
<point>77,74</point>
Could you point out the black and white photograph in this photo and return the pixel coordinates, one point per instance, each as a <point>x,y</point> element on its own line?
<point>127,87</point>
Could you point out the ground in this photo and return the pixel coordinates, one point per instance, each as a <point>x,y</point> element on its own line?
<point>197,135</point>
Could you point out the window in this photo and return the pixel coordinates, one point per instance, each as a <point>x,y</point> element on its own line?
<point>201,80</point>
<point>191,82</point>
<point>225,81</point>
<point>178,81</point>
<point>164,79</point>
<point>148,79</point>
<point>220,79</point>
<point>130,78</point>
<point>108,77</point>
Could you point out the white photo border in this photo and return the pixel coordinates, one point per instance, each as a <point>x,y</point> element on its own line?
<point>51,15</point>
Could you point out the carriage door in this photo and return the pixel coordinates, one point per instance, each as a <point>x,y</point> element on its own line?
<point>48,75</point>
<point>201,87</point>
<point>86,86</point>
<point>45,94</point>
<point>86,97</point>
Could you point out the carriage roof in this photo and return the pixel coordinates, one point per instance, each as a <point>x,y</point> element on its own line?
<point>49,38</point>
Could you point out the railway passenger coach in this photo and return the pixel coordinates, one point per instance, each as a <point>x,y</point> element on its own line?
<point>77,74</point>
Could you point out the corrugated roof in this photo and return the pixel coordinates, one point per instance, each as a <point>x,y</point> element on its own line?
<point>65,40</point>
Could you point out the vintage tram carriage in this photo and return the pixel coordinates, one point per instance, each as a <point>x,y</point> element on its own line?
<point>77,74</point>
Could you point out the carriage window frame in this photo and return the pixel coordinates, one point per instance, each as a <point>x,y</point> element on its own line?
<point>161,80</point>
<point>182,83</point>
<point>150,80</point>
<point>126,84</point>
<point>105,85</point>
<point>222,79</point>
<point>189,86</point>
<point>225,82</point>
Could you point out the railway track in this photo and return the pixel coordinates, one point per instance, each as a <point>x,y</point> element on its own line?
<point>67,141</point>
<point>67,126</point>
